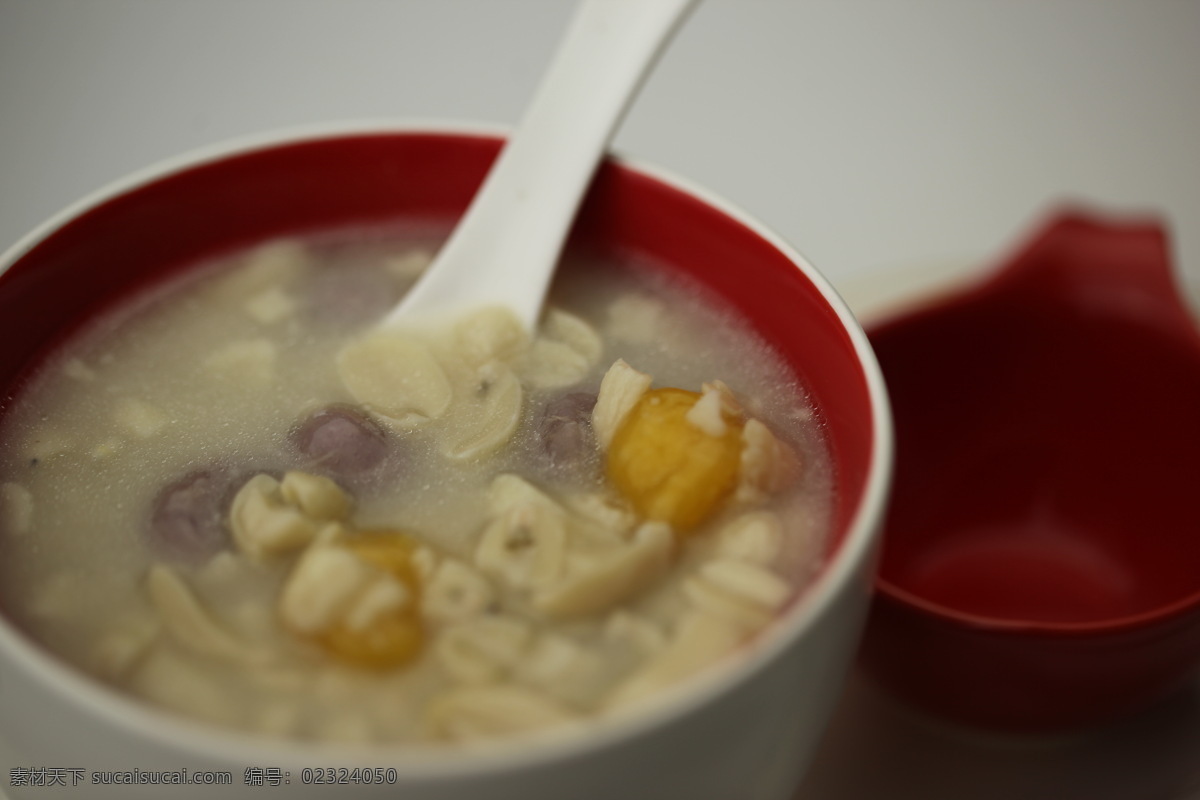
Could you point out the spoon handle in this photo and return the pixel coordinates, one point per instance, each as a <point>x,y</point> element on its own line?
<point>505,248</point>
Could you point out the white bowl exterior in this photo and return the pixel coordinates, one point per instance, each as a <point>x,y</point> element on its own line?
<point>752,743</point>
<point>746,732</point>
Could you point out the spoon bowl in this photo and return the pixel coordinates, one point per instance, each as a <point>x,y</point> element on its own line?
<point>1041,566</point>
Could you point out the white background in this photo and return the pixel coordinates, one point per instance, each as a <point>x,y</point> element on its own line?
<point>885,138</point>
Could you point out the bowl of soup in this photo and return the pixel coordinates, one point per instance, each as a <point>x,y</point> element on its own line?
<point>250,538</point>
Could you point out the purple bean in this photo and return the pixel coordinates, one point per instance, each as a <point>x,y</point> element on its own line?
<point>187,519</point>
<point>564,434</point>
<point>341,440</point>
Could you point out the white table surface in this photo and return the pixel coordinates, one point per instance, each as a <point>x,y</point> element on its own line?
<point>877,135</point>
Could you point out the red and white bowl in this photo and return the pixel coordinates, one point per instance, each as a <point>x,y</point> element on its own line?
<point>744,730</point>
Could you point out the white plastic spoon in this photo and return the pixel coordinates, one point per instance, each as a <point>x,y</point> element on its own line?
<point>504,250</point>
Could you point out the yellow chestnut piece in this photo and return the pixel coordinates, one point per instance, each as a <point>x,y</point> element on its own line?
<point>383,629</point>
<point>391,551</point>
<point>390,641</point>
<point>671,468</point>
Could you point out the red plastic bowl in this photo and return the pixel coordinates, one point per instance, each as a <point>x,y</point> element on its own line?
<point>1041,562</point>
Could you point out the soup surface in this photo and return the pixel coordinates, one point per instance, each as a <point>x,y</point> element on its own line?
<point>237,499</point>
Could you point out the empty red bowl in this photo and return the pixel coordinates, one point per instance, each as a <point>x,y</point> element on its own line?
<point>1041,562</point>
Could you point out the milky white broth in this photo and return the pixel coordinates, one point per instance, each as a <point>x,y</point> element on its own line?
<point>216,370</point>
